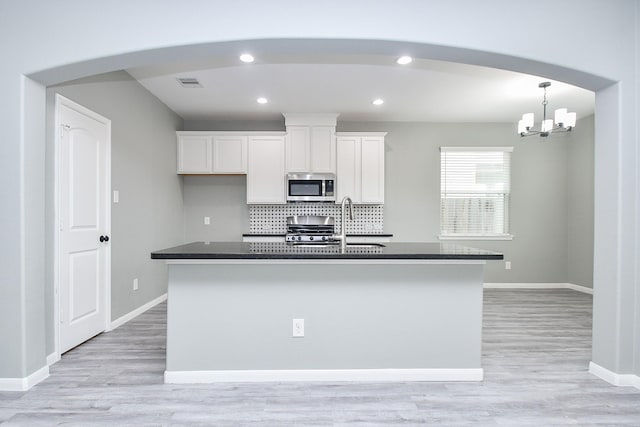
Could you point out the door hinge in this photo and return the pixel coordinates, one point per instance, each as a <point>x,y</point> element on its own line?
<point>63,128</point>
<point>61,225</point>
<point>61,317</point>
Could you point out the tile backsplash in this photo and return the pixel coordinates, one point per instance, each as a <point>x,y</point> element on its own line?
<point>272,219</point>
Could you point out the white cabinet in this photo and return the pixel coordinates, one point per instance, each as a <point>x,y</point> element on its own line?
<point>230,154</point>
<point>298,149</point>
<point>323,149</point>
<point>360,167</point>
<point>311,142</point>
<point>212,153</point>
<point>266,170</point>
<point>311,149</point>
<point>194,154</point>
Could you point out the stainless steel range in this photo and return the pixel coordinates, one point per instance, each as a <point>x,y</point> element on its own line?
<point>310,229</point>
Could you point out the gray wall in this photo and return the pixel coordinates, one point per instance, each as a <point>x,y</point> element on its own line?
<point>551,206</point>
<point>580,203</point>
<point>223,198</point>
<point>539,251</point>
<point>143,161</point>
<point>240,125</point>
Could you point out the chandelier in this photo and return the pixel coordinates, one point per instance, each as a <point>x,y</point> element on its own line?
<point>563,121</point>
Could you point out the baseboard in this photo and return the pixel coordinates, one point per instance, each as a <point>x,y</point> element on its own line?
<point>572,286</point>
<point>137,312</point>
<point>52,358</point>
<point>24,384</point>
<point>622,380</point>
<point>333,375</point>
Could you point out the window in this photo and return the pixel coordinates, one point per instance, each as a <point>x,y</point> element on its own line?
<point>475,186</point>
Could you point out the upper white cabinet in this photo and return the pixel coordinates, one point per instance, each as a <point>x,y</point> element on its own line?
<point>266,170</point>
<point>194,154</point>
<point>323,149</point>
<point>360,167</point>
<point>298,149</point>
<point>230,154</point>
<point>212,153</point>
<point>311,143</point>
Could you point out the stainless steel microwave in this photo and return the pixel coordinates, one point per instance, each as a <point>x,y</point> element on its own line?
<point>311,187</point>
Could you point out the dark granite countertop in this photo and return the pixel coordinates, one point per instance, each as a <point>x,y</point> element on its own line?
<point>266,250</point>
<point>348,235</point>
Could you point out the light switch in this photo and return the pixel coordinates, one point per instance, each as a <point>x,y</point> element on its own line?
<point>298,328</point>
<point>207,220</point>
<point>116,196</point>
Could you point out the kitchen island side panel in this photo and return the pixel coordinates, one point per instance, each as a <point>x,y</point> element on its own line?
<point>357,316</point>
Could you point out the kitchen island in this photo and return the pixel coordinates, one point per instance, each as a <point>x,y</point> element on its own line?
<point>391,312</point>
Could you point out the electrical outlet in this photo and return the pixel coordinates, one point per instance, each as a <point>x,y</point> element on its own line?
<point>135,284</point>
<point>507,265</point>
<point>298,328</point>
<point>207,220</point>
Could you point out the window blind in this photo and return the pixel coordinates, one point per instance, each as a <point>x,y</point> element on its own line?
<point>475,187</point>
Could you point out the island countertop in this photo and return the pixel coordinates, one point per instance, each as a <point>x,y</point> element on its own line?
<point>280,251</point>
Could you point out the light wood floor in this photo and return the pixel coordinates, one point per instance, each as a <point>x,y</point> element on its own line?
<point>536,352</point>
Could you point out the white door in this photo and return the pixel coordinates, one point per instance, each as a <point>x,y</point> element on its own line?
<point>83,238</point>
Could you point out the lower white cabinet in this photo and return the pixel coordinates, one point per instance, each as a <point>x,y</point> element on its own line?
<point>360,167</point>
<point>266,170</point>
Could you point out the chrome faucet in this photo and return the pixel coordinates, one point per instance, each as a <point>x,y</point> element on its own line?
<point>343,235</point>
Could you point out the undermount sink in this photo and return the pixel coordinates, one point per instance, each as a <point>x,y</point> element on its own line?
<point>335,245</point>
<point>365,245</point>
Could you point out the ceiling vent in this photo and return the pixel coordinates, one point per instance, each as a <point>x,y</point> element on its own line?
<point>189,82</point>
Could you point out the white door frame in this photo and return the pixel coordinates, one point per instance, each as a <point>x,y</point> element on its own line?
<point>60,101</point>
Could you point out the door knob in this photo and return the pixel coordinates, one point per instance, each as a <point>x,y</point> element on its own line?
<point>104,239</point>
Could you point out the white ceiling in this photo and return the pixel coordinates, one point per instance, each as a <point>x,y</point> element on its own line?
<point>425,90</point>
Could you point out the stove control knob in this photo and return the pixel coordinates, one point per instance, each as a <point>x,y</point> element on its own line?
<point>310,237</point>
<point>324,238</point>
<point>299,238</point>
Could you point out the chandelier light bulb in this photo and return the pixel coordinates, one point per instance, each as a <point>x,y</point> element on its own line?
<point>561,116</point>
<point>528,119</point>
<point>262,100</point>
<point>521,127</point>
<point>404,60</point>
<point>547,125</point>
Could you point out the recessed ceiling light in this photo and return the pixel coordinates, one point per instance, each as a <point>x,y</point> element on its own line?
<point>262,100</point>
<point>404,60</point>
<point>246,57</point>
<point>378,101</point>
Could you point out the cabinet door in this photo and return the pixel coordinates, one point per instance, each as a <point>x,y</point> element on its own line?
<point>265,170</point>
<point>194,154</point>
<point>372,170</point>
<point>298,149</point>
<point>323,149</point>
<point>230,154</point>
<point>348,169</point>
